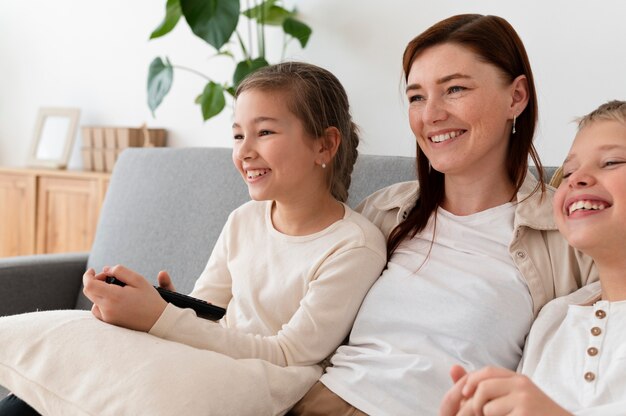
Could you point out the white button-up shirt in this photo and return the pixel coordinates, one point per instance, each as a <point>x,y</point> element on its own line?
<point>576,353</point>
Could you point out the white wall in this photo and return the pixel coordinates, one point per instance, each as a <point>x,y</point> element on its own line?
<point>94,54</point>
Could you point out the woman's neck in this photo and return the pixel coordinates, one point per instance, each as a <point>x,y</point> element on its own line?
<point>469,195</point>
<point>306,217</point>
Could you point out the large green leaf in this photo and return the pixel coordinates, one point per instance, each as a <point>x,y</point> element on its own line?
<point>160,78</point>
<point>212,100</point>
<point>172,16</point>
<point>298,30</point>
<point>214,21</point>
<point>268,13</point>
<point>244,68</point>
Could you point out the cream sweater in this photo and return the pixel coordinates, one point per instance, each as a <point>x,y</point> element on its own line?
<point>290,300</point>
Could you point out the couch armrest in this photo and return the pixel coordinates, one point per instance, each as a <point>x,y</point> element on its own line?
<point>40,282</point>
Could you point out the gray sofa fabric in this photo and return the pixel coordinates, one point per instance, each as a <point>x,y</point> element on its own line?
<point>163,210</point>
<point>44,282</point>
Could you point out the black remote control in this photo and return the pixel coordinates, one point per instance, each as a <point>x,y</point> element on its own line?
<point>203,309</point>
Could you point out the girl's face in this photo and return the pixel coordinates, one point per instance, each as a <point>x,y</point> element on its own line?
<point>590,204</point>
<point>277,159</point>
<point>461,110</point>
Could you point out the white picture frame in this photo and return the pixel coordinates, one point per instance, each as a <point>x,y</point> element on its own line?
<point>53,139</point>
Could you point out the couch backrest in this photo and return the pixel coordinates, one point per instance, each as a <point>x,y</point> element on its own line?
<point>165,207</point>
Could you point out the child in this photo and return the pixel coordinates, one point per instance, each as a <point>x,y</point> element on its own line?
<point>293,265</point>
<point>576,351</point>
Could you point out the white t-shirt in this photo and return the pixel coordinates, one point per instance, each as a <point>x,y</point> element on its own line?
<point>466,304</point>
<point>291,300</point>
<point>576,353</point>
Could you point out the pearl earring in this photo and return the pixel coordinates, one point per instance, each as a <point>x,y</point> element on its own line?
<point>323,165</point>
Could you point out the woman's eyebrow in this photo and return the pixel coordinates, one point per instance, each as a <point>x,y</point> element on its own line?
<point>450,77</point>
<point>442,80</point>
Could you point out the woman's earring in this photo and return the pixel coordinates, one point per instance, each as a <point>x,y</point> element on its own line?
<point>514,119</point>
<point>323,165</point>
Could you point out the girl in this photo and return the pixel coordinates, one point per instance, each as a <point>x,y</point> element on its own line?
<point>293,265</point>
<point>575,351</point>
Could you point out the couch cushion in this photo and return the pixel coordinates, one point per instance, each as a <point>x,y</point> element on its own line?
<point>44,356</point>
<point>372,173</point>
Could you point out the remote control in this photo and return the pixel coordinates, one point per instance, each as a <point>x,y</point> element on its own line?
<point>203,309</point>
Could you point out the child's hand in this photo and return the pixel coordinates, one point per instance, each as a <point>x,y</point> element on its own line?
<point>454,399</point>
<point>165,281</point>
<point>498,391</point>
<point>135,306</point>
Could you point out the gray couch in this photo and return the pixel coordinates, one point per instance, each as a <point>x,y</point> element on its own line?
<point>163,210</point>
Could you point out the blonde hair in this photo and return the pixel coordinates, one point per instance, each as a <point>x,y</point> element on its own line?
<point>319,100</point>
<point>614,110</point>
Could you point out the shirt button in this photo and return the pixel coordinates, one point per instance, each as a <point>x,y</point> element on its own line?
<point>595,331</point>
<point>521,254</point>
<point>592,351</point>
<point>589,376</point>
<point>600,314</point>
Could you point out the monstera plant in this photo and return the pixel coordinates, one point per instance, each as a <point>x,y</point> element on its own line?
<point>216,22</point>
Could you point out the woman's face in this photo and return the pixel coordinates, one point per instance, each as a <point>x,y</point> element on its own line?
<point>460,110</point>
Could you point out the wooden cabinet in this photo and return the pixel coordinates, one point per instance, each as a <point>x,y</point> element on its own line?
<point>49,211</point>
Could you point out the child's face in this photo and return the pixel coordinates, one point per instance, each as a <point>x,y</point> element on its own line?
<point>590,204</point>
<point>275,156</point>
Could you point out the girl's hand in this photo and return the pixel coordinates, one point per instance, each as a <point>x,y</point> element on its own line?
<point>135,306</point>
<point>165,281</point>
<point>497,391</point>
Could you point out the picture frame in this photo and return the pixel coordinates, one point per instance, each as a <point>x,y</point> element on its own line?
<point>54,135</point>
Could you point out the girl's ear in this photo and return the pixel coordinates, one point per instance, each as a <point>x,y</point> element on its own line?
<point>330,144</point>
<point>520,95</point>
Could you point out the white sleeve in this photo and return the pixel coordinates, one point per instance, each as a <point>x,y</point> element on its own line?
<point>215,283</point>
<point>319,325</point>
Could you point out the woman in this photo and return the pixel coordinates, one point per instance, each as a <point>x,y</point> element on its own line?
<point>474,252</point>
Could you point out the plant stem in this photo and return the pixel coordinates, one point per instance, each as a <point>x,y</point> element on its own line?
<point>246,55</point>
<point>184,68</point>
<point>250,44</point>
<point>286,41</point>
<point>262,34</point>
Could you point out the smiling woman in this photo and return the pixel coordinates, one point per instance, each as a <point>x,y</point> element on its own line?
<point>462,121</point>
<point>473,250</point>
